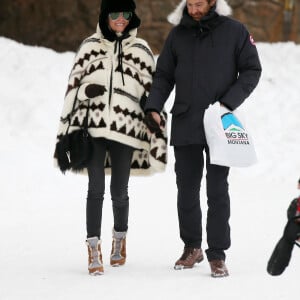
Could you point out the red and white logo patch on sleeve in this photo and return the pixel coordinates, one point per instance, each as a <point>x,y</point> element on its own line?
<point>252,40</point>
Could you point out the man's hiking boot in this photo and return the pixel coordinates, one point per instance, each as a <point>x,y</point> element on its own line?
<point>118,250</point>
<point>188,259</point>
<point>218,268</point>
<point>95,266</point>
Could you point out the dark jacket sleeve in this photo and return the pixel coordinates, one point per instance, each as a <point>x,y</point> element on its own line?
<point>163,81</point>
<point>249,71</point>
<point>291,212</point>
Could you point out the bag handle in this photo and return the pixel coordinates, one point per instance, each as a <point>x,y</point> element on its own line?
<point>72,111</point>
<point>85,121</point>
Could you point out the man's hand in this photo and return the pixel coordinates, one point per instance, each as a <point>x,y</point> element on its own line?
<point>153,121</point>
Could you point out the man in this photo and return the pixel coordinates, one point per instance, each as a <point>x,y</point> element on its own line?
<point>209,58</point>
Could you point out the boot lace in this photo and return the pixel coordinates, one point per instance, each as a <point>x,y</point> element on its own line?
<point>117,246</point>
<point>94,255</point>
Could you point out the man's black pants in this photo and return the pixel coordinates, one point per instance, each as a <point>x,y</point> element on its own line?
<point>189,168</point>
<point>121,156</point>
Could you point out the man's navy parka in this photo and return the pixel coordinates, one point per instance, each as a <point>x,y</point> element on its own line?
<point>212,60</point>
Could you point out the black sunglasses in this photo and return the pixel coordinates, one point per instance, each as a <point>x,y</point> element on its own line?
<point>126,15</point>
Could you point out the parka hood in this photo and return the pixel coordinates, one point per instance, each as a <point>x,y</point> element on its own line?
<point>108,6</point>
<point>222,8</point>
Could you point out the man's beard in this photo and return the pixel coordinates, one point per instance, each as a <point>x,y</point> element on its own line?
<point>198,17</point>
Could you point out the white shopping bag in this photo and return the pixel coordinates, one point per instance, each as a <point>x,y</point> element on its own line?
<point>229,142</point>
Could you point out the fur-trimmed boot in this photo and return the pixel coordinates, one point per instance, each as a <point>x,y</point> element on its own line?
<point>118,250</point>
<point>95,266</point>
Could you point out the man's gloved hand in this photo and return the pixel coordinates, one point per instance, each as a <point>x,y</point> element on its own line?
<point>152,120</point>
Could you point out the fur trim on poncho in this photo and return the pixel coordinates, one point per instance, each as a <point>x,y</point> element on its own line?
<point>222,8</point>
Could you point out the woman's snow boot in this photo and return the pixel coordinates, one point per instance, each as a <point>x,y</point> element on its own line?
<point>118,251</point>
<point>95,266</point>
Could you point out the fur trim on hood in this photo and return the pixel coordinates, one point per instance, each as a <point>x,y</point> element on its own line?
<point>222,8</point>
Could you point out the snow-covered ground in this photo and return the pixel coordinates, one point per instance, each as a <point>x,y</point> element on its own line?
<point>42,212</point>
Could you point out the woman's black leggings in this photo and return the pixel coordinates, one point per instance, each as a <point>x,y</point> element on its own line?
<point>121,156</point>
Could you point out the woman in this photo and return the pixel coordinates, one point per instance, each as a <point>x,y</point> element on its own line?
<point>108,86</point>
